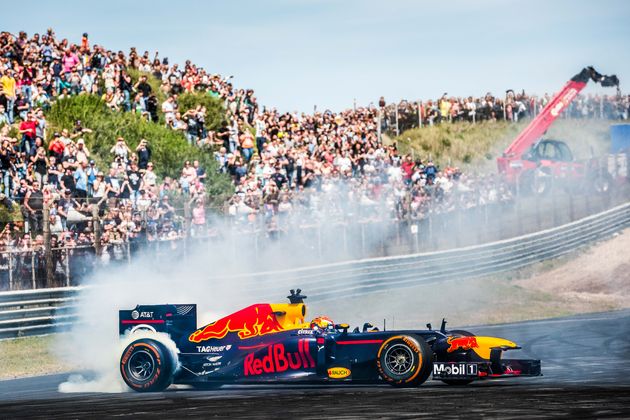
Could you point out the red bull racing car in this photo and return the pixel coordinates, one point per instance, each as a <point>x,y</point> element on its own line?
<point>273,343</point>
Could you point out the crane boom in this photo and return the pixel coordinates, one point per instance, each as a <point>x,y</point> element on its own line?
<point>537,127</point>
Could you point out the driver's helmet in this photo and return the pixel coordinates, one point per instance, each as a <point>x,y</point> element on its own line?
<point>323,323</point>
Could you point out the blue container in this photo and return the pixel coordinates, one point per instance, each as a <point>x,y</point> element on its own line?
<point>620,138</point>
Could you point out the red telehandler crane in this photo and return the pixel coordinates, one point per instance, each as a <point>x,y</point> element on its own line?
<point>531,163</point>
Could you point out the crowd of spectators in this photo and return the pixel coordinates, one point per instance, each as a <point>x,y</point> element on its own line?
<point>512,107</point>
<point>288,169</point>
<point>42,168</point>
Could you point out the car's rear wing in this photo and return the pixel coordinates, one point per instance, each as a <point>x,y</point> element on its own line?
<point>172,319</point>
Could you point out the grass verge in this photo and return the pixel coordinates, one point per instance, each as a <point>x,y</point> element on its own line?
<point>29,356</point>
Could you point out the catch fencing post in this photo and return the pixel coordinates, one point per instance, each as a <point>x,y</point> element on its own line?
<point>414,231</point>
<point>458,236</point>
<point>67,266</point>
<point>486,229</point>
<point>96,225</point>
<point>519,219</point>
<point>186,225</point>
<point>430,219</point>
<point>10,271</point>
<point>554,205</point>
<point>47,247</point>
<point>319,240</point>
<point>33,279</point>
<point>362,239</point>
<point>419,114</point>
<point>256,242</point>
<point>538,219</point>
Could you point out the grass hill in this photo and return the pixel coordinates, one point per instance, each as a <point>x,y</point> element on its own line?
<point>476,146</point>
<point>169,148</point>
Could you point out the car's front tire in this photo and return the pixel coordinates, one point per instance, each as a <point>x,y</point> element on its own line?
<point>404,360</point>
<point>147,365</point>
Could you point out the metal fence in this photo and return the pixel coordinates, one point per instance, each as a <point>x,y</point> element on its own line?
<point>324,241</point>
<point>36,312</point>
<point>47,310</point>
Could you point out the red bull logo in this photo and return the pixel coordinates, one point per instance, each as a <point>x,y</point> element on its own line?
<point>249,322</point>
<point>279,360</point>
<point>461,343</point>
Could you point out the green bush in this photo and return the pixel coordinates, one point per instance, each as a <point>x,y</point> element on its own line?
<point>169,148</point>
<point>215,111</point>
<point>215,114</point>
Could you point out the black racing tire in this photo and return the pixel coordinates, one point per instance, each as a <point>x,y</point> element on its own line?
<point>601,183</point>
<point>457,382</point>
<point>146,365</point>
<point>404,360</point>
<point>535,182</point>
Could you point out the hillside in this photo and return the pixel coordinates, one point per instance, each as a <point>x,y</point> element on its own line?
<point>170,148</point>
<point>475,146</point>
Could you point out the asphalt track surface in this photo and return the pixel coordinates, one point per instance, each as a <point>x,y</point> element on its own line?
<point>586,366</point>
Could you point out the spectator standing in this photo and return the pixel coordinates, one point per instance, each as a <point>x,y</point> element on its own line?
<point>260,126</point>
<point>168,108</point>
<point>120,150</point>
<point>145,88</point>
<point>92,172</point>
<point>28,129</point>
<point>247,145</point>
<point>81,181</point>
<point>143,151</point>
<point>34,204</point>
<point>8,83</point>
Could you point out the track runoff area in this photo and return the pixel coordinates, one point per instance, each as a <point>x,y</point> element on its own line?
<point>585,367</point>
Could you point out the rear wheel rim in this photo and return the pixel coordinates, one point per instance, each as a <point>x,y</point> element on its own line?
<point>399,359</point>
<point>141,365</point>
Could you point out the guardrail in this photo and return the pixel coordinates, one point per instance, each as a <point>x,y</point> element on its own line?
<point>46,310</point>
<point>35,312</point>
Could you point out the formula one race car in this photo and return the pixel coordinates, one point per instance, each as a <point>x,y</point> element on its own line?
<point>265,343</point>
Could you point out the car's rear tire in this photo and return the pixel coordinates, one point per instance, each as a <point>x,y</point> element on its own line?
<point>404,360</point>
<point>147,365</point>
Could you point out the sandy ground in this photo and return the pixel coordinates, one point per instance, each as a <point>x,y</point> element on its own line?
<point>599,276</point>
